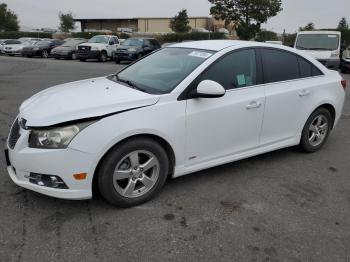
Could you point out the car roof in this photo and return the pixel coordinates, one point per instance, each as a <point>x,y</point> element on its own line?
<point>217,45</point>
<point>318,32</point>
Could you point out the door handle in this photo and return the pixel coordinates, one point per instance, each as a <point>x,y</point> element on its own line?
<point>304,92</point>
<point>253,104</point>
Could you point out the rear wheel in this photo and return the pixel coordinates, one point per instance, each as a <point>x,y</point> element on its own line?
<point>133,172</point>
<point>316,130</point>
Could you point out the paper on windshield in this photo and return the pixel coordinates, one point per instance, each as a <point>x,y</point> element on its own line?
<point>200,54</point>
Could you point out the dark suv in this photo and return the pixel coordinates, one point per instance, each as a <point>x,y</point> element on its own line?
<point>134,48</point>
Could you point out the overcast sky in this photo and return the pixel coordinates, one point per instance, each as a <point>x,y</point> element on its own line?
<point>44,13</point>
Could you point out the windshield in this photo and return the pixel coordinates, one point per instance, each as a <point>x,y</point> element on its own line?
<point>12,42</point>
<point>99,39</point>
<point>162,71</point>
<point>133,42</point>
<point>318,42</point>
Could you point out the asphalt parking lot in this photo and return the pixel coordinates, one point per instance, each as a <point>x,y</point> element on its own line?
<point>281,206</point>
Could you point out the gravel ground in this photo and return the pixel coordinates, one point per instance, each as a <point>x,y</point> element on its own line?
<point>280,206</point>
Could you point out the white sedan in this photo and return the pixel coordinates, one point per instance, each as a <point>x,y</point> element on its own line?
<point>184,108</point>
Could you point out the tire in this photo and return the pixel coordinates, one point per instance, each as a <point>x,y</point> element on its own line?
<point>117,61</point>
<point>316,130</point>
<point>44,54</point>
<point>114,190</point>
<point>103,57</point>
<point>73,56</point>
<point>57,58</point>
<point>29,56</point>
<point>82,59</point>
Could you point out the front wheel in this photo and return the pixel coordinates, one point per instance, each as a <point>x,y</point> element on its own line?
<point>133,172</point>
<point>73,56</point>
<point>44,54</point>
<point>103,57</point>
<point>316,130</point>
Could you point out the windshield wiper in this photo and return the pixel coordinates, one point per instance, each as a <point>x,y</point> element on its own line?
<point>130,83</point>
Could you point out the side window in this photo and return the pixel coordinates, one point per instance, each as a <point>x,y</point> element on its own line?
<point>279,65</point>
<point>155,43</point>
<point>111,41</point>
<point>307,69</point>
<point>235,70</point>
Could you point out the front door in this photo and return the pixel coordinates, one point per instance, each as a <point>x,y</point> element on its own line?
<point>220,127</point>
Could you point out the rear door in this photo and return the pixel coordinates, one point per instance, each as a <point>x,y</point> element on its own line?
<point>288,88</point>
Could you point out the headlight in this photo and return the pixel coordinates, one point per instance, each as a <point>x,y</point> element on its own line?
<point>55,138</point>
<point>335,55</point>
<point>132,49</point>
<point>94,48</point>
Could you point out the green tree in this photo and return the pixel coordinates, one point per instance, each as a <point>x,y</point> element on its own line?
<point>8,19</point>
<point>343,24</point>
<point>289,39</point>
<point>309,27</point>
<point>265,35</point>
<point>343,27</point>
<point>179,23</point>
<point>248,15</point>
<point>66,22</point>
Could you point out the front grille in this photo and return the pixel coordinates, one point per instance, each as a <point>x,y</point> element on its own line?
<point>323,62</point>
<point>14,135</point>
<point>84,49</point>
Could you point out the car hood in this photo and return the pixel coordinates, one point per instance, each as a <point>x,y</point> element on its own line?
<point>82,99</point>
<point>63,48</point>
<point>128,46</point>
<point>31,47</point>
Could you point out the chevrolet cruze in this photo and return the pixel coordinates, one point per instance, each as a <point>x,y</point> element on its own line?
<point>184,108</point>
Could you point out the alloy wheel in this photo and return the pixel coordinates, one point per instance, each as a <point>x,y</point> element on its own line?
<point>136,174</point>
<point>45,54</point>
<point>318,130</point>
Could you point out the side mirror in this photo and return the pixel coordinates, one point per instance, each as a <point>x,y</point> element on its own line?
<point>209,89</point>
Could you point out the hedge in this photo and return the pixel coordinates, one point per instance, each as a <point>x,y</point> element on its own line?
<point>88,35</point>
<point>179,37</point>
<point>15,35</point>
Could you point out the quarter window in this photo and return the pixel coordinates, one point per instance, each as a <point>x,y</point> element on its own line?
<point>235,70</point>
<point>279,65</point>
<point>307,69</point>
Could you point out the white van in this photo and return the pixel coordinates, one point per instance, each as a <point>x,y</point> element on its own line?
<point>322,45</point>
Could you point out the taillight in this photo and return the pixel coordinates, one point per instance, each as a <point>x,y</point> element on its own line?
<point>344,83</point>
